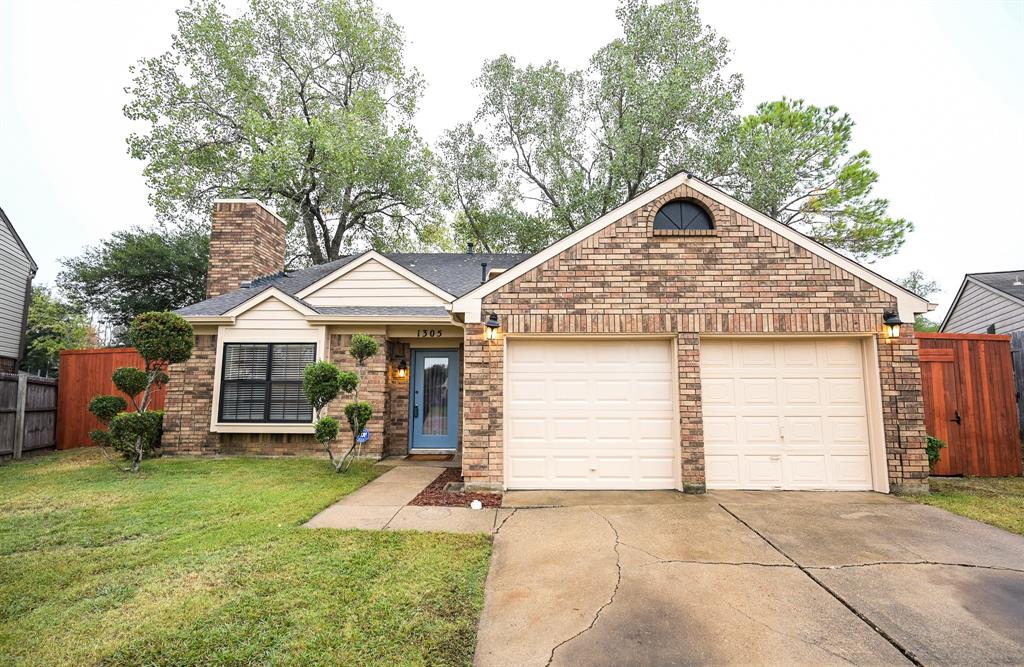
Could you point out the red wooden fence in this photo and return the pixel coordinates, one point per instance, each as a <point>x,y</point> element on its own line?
<point>970,403</point>
<point>84,374</point>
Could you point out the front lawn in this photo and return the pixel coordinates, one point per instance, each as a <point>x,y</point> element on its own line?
<point>995,500</point>
<point>205,562</point>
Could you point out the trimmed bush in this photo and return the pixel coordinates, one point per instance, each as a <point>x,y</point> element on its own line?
<point>358,415</point>
<point>162,338</point>
<point>130,380</point>
<point>105,407</point>
<point>129,429</point>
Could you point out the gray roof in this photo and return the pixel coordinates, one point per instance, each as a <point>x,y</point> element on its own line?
<point>1003,281</point>
<point>455,273</point>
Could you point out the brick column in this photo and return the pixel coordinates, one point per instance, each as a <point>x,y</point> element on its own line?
<point>903,413</point>
<point>482,423</point>
<point>691,421</point>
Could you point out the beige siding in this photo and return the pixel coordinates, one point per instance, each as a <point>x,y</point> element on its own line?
<point>14,272</point>
<point>373,284</point>
<point>979,307</point>
<point>271,315</point>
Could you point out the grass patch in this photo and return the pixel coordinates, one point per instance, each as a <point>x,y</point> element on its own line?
<point>204,561</point>
<point>998,501</point>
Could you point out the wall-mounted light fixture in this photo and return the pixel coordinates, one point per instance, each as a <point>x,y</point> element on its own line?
<point>403,369</point>
<point>492,325</point>
<point>892,324</point>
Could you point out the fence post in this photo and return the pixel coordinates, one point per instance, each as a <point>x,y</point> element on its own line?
<point>19,420</point>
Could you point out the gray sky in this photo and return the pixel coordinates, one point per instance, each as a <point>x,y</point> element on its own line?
<point>936,90</point>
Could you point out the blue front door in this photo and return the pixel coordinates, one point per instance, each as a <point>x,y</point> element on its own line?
<point>434,403</point>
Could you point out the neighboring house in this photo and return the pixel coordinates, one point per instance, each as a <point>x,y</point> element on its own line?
<point>17,268</point>
<point>988,303</point>
<point>682,341</point>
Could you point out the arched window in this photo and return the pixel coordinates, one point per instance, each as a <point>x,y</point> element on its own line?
<point>683,214</point>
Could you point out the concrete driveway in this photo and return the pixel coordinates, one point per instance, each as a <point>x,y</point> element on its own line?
<point>786,578</point>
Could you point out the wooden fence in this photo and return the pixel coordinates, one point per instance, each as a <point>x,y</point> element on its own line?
<point>28,414</point>
<point>1017,350</point>
<point>970,403</point>
<point>84,374</point>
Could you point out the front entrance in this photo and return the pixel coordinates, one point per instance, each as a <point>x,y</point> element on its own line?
<point>434,404</point>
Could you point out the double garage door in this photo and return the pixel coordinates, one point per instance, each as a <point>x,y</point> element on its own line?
<point>600,414</point>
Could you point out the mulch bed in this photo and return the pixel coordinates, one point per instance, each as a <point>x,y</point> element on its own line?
<point>435,495</point>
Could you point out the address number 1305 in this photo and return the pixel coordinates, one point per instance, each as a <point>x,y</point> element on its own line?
<point>428,333</point>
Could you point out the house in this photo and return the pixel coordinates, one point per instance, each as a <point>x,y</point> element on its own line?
<point>987,303</point>
<point>682,341</point>
<point>17,268</point>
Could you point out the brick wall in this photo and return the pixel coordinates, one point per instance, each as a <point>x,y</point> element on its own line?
<point>189,401</point>
<point>397,442</point>
<point>372,389</point>
<point>246,242</point>
<point>740,278</point>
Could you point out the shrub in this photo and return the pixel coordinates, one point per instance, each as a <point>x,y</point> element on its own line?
<point>362,347</point>
<point>129,429</point>
<point>162,338</point>
<point>326,430</point>
<point>933,448</point>
<point>323,381</point>
<point>105,407</point>
<point>130,380</point>
<point>358,415</point>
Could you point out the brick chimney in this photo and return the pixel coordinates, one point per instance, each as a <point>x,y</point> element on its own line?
<point>246,242</point>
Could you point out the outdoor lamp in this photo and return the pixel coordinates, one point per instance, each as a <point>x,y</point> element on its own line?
<point>492,325</point>
<point>892,324</point>
<point>403,369</point>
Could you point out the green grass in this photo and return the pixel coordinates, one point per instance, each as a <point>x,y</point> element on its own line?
<point>204,561</point>
<point>998,501</point>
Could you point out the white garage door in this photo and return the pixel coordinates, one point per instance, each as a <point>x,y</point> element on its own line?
<point>785,415</point>
<point>590,414</point>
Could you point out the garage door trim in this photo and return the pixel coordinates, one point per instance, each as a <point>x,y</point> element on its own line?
<point>670,338</point>
<point>872,388</point>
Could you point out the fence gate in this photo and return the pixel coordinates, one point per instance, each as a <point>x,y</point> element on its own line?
<point>970,402</point>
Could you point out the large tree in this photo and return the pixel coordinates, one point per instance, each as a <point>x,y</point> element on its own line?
<point>307,104</point>
<point>137,271</point>
<point>53,325</point>
<point>794,162</point>
<point>569,146</point>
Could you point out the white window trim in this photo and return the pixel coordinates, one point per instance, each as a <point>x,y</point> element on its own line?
<point>316,335</point>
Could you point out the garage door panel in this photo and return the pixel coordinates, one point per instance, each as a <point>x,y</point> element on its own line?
<point>799,422</point>
<point>611,420</point>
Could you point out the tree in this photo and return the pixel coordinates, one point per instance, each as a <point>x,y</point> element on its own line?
<point>322,382</point>
<point>53,325</point>
<point>576,144</point>
<point>793,161</point>
<point>138,271</point>
<point>161,339</point>
<point>917,282</point>
<point>307,104</point>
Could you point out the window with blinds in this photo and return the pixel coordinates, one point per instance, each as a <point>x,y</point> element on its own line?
<point>262,382</point>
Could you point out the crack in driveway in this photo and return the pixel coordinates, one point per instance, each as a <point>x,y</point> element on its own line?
<point>907,653</point>
<point>611,598</point>
<point>505,520</point>
<point>913,562</point>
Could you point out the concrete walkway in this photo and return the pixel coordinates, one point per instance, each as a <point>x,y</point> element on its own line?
<point>383,504</point>
<point>736,578</point>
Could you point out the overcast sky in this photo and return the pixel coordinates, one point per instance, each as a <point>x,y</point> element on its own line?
<point>936,90</point>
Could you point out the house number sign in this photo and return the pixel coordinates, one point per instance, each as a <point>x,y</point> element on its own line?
<point>428,333</point>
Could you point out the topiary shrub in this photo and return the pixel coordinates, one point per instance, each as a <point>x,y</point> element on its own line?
<point>934,448</point>
<point>161,339</point>
<point>322,382</point>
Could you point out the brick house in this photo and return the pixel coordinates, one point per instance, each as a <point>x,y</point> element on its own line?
<point>681,341</point>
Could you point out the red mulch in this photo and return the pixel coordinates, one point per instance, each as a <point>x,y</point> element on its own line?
<point>435,495</point>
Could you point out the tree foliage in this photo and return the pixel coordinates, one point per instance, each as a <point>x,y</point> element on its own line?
<point>794,162</point>
<point>306,104</point>
<point>138,271</point>
<point>576,144</point>
<point>920,284</point>
<point>53,325</point>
